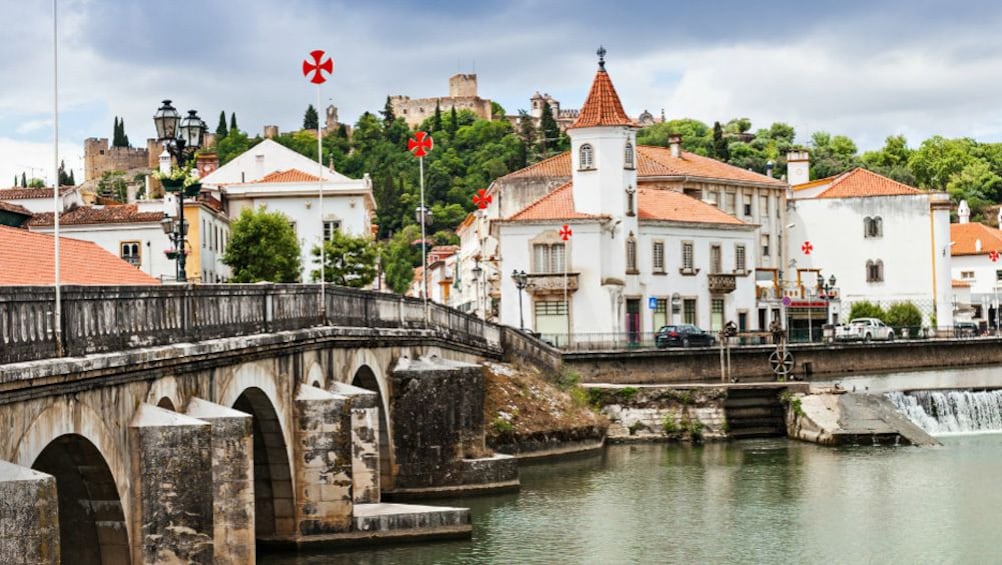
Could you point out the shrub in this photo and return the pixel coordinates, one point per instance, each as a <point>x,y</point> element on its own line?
<point>668,424</point>
<point>866,309</point>
<point>627,393</point>
<point>568,379</point>
<point>903,314</point>
<point>696,430</point>
<point>501,426</point>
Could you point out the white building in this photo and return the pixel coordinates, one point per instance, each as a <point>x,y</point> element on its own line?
<point>884,241</point>
<point>637,258</point>
<point>39,200</point>
<point>264,159</point>
<point>976,251</point>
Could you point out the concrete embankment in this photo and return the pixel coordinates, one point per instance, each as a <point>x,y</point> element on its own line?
<point>837,418</point>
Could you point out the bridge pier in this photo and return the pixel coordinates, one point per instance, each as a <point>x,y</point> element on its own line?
<point>232,481</point>
<point>324,455</point>
<point>172,487</point>
<point>364,440</point>
<point>29,523</point>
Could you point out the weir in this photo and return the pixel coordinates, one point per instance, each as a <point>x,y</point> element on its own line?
<point>941,412</point>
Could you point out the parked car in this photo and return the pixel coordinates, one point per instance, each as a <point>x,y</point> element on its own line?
<point>864,329</point>
<point>966,329</point>
<point>682,335</point>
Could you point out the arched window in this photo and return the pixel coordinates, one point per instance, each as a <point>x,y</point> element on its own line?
<point>873,227</point>
<point>874,271</point>
<point>628,156</point>
<point>586,157</point>
<point>631,254</point>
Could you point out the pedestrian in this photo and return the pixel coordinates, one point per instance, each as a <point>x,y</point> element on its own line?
<point>777,331</point>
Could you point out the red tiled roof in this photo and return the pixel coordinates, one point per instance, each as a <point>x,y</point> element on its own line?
<point>14,208</point>
<point>652,162</point>
<point>122,214</point>
<point>26,193</point>
<point>602,107</point>
<point>28,260</point>
<point>966,236</point>
<point>291,175</point>
<point>557,205</point>
<point>859,183</point>
<point>959,284</point>
<point>670,205</point>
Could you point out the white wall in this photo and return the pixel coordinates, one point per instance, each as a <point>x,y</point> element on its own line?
<point>109,237</point>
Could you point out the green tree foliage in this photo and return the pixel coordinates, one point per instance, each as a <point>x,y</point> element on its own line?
<point>977,184</point>
<point>436,122</point>
<point>697,137</point>
<point>866,309</point>
<point>388,114</point>
<point>36,183</point>
<point>64,178</point>
<point>497,111</point>
<point>233,121</point>
<point>113,184</point>
<point>350,260</point>
<point>118,137</point>
<point>262,247</point>
<point>236,142</point>
<point>720,145</point>
<point>892,160</point>
<point>24,180</point>
<point>221,130</point>
<point>902,315</point>
<point>310,119</point>
<point>400,256</point>
<point>550,140</point>
<point>832,155</point>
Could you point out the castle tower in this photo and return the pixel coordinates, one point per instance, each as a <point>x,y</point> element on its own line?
<point>536,103</point>
<point>330,122</point>
<point>798,167</point>
<point>463,85</point>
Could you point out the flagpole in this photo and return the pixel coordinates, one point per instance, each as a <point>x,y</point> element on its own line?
<point>323,240</point>
<point>424,243</point>
<point>57,321</point>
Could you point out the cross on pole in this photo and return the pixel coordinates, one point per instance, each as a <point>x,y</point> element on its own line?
<point>993,256</point>
<point>419,146</point>
<point>481,199</point>
<point>316,67</point>
<point>565,234</point>
<point>807,248</point>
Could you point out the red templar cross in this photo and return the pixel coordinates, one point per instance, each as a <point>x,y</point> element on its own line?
<point>318,65</point>
<point>993,256</point>
<point>420,144</point>
<point>807,248</point>
<point>566,232</point>
<point>482,199</point>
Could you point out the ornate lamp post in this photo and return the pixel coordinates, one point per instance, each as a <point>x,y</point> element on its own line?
<point>477,271</point>
<point>181,137</point>
<point>829,292</point>
<point>521,281</point>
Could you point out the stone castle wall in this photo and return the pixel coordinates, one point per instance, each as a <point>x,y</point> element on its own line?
<point>100,158</point>
<point>462,96</point>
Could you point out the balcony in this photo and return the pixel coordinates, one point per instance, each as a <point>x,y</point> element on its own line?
<point>721,284</point>
<point>543,284</point>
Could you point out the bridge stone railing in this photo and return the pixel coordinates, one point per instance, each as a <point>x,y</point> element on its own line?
<point>109,318</point>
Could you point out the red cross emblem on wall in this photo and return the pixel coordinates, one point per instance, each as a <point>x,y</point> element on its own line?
<point>993,256</point>
<point>807,248</point>
<point>420,144</point>
<point>318,65</point>
<point>482,199</point>
<point>566,232</point>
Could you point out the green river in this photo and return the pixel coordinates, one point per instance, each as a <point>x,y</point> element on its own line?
<point>760,501</point>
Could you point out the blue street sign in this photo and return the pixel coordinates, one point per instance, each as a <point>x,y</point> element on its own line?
<point>652,303</point>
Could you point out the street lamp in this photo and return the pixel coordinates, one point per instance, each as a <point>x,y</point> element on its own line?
<point>424,218</point>
<point>181,137</point>
<point>521,280</point>
<point>477,271</point>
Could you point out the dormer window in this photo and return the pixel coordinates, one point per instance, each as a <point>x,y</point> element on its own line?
<point>586,157</point>
<point>628,156</point>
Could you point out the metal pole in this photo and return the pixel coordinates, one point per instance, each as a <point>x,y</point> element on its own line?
<point>57,321</point>
<point>323,240</point>
<point>424,244</point>
<point>567,306</point>
<point>810,327</point>
<point>182,275</point>
<point>521,317</point>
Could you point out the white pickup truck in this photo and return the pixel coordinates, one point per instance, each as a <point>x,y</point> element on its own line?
<point>864,329</point>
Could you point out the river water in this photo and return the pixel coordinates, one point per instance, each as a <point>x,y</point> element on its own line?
<point>763,501</point>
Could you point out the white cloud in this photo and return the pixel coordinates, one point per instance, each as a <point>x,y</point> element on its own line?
<point>36,159</point>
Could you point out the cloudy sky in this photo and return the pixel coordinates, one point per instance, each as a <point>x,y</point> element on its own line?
<point>865,69</point>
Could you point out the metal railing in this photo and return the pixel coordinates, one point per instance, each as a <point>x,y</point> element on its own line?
<point>100,319</point>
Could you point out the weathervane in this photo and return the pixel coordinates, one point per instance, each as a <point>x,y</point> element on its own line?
<point>601,57</point>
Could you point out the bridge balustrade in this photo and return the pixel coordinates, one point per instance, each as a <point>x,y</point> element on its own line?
<point>110,318</point>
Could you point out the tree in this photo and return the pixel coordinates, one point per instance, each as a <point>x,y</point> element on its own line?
<point>497,111</point>
<point>400,257</point>
<point>350,260</point>
<point>113,185</point>
<point>310,119</point>
<point>453,125</point>
<point>118,137</point>
<point>263,247</point>
<point>720,150</point>
<point>36,183</point>
<point>436,122</point>
<point>221,130</point>
<point>235,143</point>
<point>937,160</point>
<point>24,180</point>
<point>65,179</point>
<point>125,138</point>
<point>832,155</point>
<point>548,128</point>
<point>977,184</point>
<point>866,309</point>
<point>233,122</point>
<point>388,115</point>
<point>903,315</point>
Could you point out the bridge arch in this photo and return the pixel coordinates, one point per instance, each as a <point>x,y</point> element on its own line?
<point>71,442</point>
<point>164,392</point>
<point>315,376</point>
<point>365,377</point>
<point>255,391</point>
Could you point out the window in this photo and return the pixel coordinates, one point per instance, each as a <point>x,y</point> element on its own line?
<point>628,156</point>
<point>873,227</point>
<point>204,234</point>
<point>967,275</point>
<point>548,258</point>
<point>687,258</point>
<point>689,311</point>
<point>713,198</point>
<point>129,252</point>
<point>716,314</point>
<point>659,256</point>
<point>739,259</point>
<point>660,313</point>
<point>586,157</point>
<point>875,271</point>
<point>730,201</point>
<point>998,275</point>
<point>330,228</point>
<point>631,254</point>
<point>765,245</point>
<point>716,265</point>
<point>763,206</point>
<point>747,204</point>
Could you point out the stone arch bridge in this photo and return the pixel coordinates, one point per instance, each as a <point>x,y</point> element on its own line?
<point>188,423</point>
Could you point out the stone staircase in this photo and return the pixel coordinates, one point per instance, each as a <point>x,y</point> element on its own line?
<point>755,412</point>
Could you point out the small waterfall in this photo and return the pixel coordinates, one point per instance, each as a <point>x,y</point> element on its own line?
<point>951,411</point>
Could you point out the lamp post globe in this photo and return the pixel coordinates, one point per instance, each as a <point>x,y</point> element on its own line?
<point>166,120</point>
<point>181,138</point>
<point>521,280</point>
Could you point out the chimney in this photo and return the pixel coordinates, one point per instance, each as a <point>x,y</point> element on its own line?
<point>963,212</point>
<point>675,144</point>
<point>798,166</point>
<point>769,165</point>
<point>165,162</point>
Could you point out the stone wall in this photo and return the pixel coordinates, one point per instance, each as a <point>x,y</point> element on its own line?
<point>100,158</point>
<point>29,525</point>
<point>653,413</point>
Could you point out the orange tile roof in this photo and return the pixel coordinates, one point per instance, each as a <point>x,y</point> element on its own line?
<point>602,107</point>
<point>961,284</point>
<point>652,162</point>
<point>17,193</point>
<point>860,182</point>
<point>966,236</point>
<point>814,183</point>
<point>291,175</point>
<point>14,208</point>
<point>653,204</point>
<point>557,205</point>
<point>120,214</point>
<point>28,260</point>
